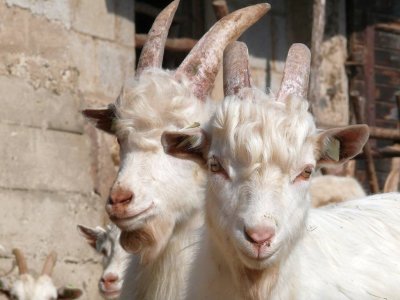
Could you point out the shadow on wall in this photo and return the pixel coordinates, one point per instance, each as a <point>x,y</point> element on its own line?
<point>120,7</point>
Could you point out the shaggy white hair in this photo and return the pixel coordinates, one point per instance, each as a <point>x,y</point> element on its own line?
<point>260,154</point>
<point>254,132</point>
<point>155,102</point>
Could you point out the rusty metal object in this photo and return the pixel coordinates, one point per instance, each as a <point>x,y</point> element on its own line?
<point>369,72</point>
<point>398,108</point>
<point>371,172</point>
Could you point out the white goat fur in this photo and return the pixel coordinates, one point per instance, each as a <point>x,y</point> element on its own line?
<point>348,251</point>
<point>115,259</point>
<point>147,106</point>
<point>329,189</point>
<point>28,288</point>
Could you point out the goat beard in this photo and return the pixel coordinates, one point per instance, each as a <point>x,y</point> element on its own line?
<point>148,241</point>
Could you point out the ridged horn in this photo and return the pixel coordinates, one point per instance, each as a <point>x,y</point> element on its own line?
<point>296,74</point>
<point>201,64</point>
<point>153,50</point>
<point>21,261</point>
<point>49,264</point>
<point>236,68</point>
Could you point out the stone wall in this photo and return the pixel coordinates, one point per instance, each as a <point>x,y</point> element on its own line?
<point>57,57</point>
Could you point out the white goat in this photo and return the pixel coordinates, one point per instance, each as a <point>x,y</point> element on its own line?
<point>262,240</point>
<point>26,287</point>
<point>329,189</point>
<point>156,199</point>
<point>115,259</point>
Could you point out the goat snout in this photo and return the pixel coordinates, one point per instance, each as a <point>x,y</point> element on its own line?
<point>260,235</point>
<point>109,279</point>
<point>120,196</point>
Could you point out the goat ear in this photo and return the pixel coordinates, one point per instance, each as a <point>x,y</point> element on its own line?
<point>102,118</point>
<point>4,287</point>
<point>188,143</point>
<point>92,235</point>
<point>338,145</point>
<point>68,293</point>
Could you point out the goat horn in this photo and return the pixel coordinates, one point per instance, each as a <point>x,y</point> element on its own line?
<point>21,261</point>
<point>296,73</point>
<point>49,263</point>
<point>153,50</point>
<point>201,64</point>
<point>236,68</point>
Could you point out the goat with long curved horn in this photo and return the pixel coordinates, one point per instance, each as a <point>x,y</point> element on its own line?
<point>21,261</point>
<point>49,264</point>
<point>153,50</point>
<point>236,68</point>
<point>201,64</point>
<point>160,221</point>
<point>296,73</point>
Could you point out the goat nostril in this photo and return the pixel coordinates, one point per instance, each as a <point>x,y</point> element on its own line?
<point>259,235</point>
<point>120,196</point>
<point>109,278</point>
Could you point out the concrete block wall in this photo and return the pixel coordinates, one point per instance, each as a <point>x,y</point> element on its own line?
<point>56,58</point>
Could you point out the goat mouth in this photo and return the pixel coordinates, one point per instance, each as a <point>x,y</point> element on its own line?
<point>260,254</point>
<point>111,294</point>
<point>127,216</point>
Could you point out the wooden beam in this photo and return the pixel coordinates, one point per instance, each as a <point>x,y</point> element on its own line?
<point>174,44</point>
<point>220,8</point>
<point>371,172</point>
<point>384,133</point>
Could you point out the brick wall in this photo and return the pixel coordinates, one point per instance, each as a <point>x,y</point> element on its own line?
<point>57,57</point>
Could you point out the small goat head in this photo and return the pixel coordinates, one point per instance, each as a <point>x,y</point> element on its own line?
<point>27,287</point>
<point>260,153</point>
<point>154,193</point>
<point>115,259</point>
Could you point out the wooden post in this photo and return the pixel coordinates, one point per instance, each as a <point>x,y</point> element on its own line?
<point>398,109</point>
<point>371,172</point>
<point>220,8</point>
<point>317,35</point>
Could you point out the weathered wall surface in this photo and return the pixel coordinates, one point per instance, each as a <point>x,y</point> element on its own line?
<point>57,57</point>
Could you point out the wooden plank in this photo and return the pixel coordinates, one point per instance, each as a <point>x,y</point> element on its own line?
<point>387,58</point>
<point>392,27</point>
<point>384,93</point>
<point>172,44</point>
<point>387,76</point>
<point>386,111</point>
<point>387,40</point>
<point>386,123</point>
<point>384,133</point>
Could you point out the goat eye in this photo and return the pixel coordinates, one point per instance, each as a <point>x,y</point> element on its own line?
<point>214,165</point>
